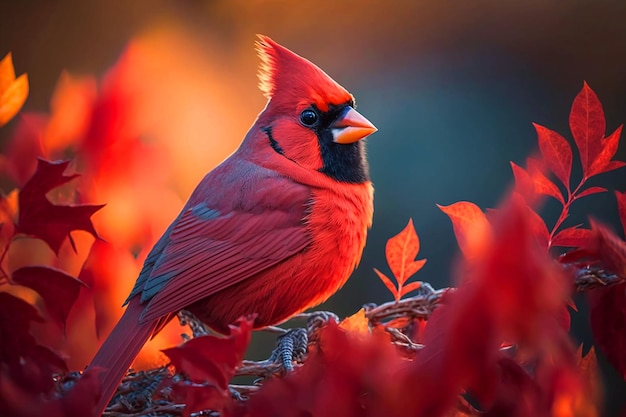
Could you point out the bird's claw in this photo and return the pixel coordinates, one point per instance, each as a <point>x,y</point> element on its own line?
<point>291,347</point>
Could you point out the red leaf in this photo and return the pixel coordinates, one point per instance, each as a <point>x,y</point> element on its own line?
<point>538,228</point>
<point>16,316</point>
<point>392,288</point>
<point>572,237</point>
<point>213,359</point>
<point>621,207</point>
<point>199,397</point>
<point>608,321</point>
<point>556,152</point>
<point>470,225</point>
<point>587,124</point>
<point>507,293</point>
<point>24,147</point>
<point>40,218</point>
<point>58,290</point>
<point>546,187</point>
<point>613,165</point>
<point>343,376</point>
<point>523,183</point>
<point>29,364</point>
<point>608,148</point>
<point>590,191</point>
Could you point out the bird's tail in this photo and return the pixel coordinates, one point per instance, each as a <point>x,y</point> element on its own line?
<point>119,350</point>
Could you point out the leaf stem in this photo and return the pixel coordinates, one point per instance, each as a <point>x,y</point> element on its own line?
<point>571,197</point>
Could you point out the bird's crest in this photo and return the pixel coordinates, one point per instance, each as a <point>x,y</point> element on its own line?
<point>284,75</point>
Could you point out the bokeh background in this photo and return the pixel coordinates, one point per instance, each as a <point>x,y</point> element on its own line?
<point>453,87</point>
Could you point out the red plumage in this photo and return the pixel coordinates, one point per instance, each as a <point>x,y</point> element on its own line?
<point>276,228</point>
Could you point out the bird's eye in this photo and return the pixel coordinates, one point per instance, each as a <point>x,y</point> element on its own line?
<point>308,117</point>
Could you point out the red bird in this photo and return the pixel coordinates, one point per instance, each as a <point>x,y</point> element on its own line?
<point>276,228</point>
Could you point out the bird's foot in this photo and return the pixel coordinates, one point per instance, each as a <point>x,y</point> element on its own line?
<point>291,347</point>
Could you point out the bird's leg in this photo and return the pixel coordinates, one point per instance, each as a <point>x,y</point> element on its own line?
<point>291,346</point>
<point>186,318</point>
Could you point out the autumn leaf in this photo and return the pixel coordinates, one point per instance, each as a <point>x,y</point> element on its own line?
<point>556,152</point>
<point>210,363</point>
<point>471,227</point>
<point>58,290</point>
<point>571,237</point>
<point>588,366</point>
<point>13,91</point>
<point>587,124</point>
<point>40,218</point>
<point>210,358</point>
<point>401,251</point>
<point>506,292</point>
<point>608,321</point>
<point>342,376</point>
<point>590,191</point>
<point>356,323</point>
<point>29,364</point>
<point>602,162</point>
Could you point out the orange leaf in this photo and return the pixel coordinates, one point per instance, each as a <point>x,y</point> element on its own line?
<point>12,99</point>
<point>7,72</point>
<point>401,250</point>
<point>556,152</point>
<point>13,92</point>
<point>471,228</point>
<point>356,323</point>
<point>412,286</point>
<point>388,284</point>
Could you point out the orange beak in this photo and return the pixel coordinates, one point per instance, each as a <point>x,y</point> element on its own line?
<point>351,126</point>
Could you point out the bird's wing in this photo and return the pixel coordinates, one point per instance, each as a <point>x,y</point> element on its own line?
<point>208,249</point>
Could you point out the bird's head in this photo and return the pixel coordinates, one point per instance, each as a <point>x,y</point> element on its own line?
<point>310,119</point>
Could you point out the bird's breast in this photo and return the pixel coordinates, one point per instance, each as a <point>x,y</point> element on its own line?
<point>337,221</point>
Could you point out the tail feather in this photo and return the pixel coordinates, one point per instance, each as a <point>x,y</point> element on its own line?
<point>119,350</point>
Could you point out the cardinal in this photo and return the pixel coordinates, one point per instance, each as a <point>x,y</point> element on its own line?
<point>276,228</point>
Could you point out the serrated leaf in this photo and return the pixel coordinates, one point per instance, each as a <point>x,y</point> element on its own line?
<point>390,286</point>
<point>572,237</point>
<point>213,359</point>
<point>40,218</point>
<point>58,290</point>
<point>588,125</point>
<point>608,148</point>
<point>471,228</point>
<point>556,153</point>
<point>590,191</point>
